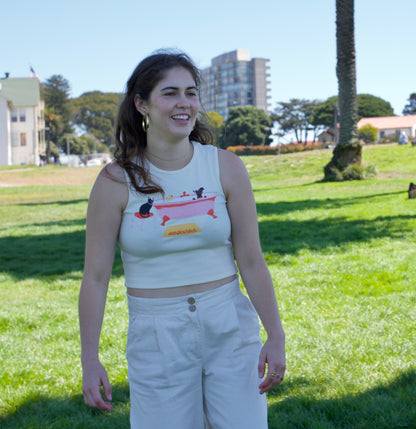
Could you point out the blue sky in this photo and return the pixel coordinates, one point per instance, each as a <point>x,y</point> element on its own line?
<point>96,45</point>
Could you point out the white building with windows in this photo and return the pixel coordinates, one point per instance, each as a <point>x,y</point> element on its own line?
<point>234,79</point>
<point>22,122</point>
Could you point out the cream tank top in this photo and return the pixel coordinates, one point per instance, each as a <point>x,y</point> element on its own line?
<point>183,237</point>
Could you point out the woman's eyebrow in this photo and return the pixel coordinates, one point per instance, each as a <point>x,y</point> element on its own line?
<point>175,88</point>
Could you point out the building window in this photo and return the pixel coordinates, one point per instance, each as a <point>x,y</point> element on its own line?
<point>22,139</point>
<point>22,115</point>
<point>13,115</point>
<point>15,139</point>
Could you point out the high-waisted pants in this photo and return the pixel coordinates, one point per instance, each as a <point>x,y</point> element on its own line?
<point>192,362</point>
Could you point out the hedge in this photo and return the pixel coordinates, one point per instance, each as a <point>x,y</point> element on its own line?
<point>267,150</point>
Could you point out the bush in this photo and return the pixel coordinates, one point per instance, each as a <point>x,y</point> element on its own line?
<point>368,133</point>
<point>358,172</point>
<point>267,150</point>
<point>391,138</point>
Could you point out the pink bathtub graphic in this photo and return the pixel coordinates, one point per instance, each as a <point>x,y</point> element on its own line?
<point>185,206</point>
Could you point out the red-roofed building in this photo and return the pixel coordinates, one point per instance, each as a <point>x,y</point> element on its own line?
<point>389,125</point>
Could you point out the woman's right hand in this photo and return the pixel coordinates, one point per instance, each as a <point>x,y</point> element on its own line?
<point>94,377</point>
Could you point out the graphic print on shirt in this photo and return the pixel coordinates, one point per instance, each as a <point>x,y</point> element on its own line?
<point>180,207</point>
<point>144,210</point>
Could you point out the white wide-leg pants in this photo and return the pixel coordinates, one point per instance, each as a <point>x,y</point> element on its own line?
<point>192,362</point>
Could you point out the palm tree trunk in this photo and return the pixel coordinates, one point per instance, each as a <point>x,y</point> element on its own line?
<point>348,150</point>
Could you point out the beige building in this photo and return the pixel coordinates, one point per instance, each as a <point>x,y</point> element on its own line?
<point>388,125</point>
<point>233,79</point>
<point>22,123</point>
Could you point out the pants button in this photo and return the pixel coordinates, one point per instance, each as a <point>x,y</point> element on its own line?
<point>191,300</point>
<point>192,308</point>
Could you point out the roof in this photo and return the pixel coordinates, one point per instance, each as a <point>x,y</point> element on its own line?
<point>389,122</point>
<point>21,92</point>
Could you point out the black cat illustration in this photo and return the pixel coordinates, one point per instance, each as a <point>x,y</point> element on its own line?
<point>145,208</point>
<point>198,193</point>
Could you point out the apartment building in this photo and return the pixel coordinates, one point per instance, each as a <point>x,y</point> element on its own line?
<point>233,79</point>
<point>22,124</point>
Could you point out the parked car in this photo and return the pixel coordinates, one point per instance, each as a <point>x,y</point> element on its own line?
<point>94,162</point>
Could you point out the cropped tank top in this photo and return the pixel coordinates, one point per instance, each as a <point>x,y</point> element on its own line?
<point>183,237</point>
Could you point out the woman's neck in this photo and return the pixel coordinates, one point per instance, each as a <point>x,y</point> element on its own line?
<point>169,156</point>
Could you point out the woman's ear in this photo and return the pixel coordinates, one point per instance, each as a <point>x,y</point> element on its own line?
<point>141,105</point>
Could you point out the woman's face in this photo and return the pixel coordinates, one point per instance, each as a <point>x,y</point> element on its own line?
<point>172,106</point>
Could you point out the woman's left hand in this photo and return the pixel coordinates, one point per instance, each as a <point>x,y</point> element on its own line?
<point>272,354</point>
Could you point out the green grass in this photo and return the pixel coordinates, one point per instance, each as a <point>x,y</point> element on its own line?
<point>342,256</point>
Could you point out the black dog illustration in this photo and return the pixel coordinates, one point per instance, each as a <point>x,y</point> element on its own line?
<point>198,193</point>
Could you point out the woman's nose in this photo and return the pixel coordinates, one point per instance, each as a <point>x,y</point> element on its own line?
<point>183,101</point>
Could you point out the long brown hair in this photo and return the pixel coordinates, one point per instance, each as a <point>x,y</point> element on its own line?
<point>130,138</point>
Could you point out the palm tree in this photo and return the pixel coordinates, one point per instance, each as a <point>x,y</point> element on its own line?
<point>348,149</point>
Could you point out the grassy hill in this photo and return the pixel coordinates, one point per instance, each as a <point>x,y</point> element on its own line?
<point>341,256</point>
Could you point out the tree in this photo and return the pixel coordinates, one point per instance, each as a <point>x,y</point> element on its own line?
<point>95,112</point>
<point>83,145</point>
<point>53,128</point>
<point>295,116</point>
<point>55,92</point>
<point>323,113</point>
<point>348,151</point>
<point>410,108</point>
<point>369,106</point>
<point>216,122</point>
<point>247,126</point>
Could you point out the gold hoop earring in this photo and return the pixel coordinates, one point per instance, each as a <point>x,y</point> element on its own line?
<point>145,123</point>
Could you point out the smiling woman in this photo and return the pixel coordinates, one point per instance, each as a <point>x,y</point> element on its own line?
<point>180,209</point>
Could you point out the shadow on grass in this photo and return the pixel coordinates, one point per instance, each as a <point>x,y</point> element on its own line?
<point>43,412</point>
<point>288,236</point>
<point>54,202</point>
<point>49,254</point>
<point>62,253</point>
<point>387,406</point>
<point>283,207</point>
<point>57,254</point>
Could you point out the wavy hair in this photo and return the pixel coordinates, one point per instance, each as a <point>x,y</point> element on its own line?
<point>130,139</point>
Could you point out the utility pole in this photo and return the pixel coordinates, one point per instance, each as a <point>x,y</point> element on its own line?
<point>67,151</point>
<point>48,145</point>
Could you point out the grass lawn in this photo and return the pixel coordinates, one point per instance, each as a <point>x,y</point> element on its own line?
<point>342,256</point>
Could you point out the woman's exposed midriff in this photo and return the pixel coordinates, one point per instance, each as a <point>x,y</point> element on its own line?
<point>172,292</point>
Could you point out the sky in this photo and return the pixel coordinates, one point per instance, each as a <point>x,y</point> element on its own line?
<point>96,45</point>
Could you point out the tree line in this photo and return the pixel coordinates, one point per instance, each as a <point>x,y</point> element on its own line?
<point>79,125</point>
<point>85,124</point>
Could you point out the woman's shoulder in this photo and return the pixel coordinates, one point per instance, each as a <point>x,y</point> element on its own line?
<point>233,172</point>
<point>114,170</point>
<point>229,160</point>
<point>111,184</point>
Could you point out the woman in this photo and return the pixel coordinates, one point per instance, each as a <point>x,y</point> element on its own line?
<point>180,210</point>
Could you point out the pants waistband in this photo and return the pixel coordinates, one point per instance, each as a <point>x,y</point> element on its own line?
<point>164,305</point>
